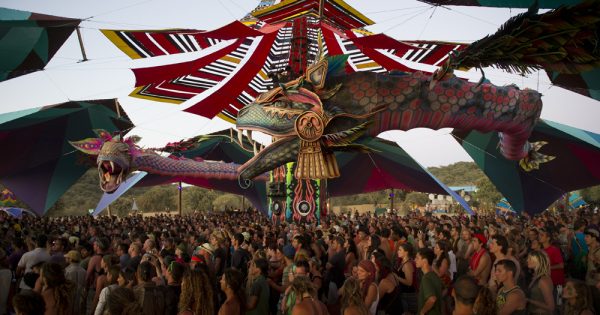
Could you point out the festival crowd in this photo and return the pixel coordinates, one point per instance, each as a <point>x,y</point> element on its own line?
<point>231,263</point>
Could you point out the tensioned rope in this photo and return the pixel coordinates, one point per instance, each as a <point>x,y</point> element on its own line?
<point>495,157</point>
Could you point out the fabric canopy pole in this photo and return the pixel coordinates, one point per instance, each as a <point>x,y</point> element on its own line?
<point>107,199</point>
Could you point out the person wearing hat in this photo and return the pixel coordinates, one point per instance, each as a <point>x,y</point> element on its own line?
<point>592,239</point>
<point>76,275</point>
<point>203,254</point>
<point>288,252</point>
<point>480,264</point>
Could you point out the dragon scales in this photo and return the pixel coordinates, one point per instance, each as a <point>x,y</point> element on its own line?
<point>117,158</point>
<point>316,114</point>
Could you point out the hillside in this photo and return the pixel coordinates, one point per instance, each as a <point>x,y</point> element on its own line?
<point>85,194</point>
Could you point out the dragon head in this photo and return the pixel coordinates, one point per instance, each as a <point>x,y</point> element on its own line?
<point>114,160</point>
<point>302,128</point>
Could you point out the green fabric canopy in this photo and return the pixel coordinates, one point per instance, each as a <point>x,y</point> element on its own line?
<point>38,163</point>
<point>575,166</point>
<point>29,40</point>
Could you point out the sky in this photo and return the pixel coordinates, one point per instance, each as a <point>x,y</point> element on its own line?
<point>107,73</point>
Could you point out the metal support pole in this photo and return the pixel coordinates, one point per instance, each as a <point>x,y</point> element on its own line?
<point>81,44</point>
<point>179,205</point>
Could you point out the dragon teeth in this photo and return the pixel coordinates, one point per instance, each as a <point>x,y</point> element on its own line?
<point>240,137</point>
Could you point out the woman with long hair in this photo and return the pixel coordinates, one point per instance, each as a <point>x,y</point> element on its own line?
<point>351,255</point>
<point>122,301</point>
<point>150,296</point>
<point>577,298</point>
<point>232,283</point>
<point>56,289</point>
<point>101,280</point>
<point>351,299</point>
<point>307,302</point>
<point>112,277</point>
<point>407,271</point>
<point>197,294</point>
<point>373,244</point>
<point>441,263</point>
<point>390,301</point>
<point>366,273</point>
<point>540,299</point>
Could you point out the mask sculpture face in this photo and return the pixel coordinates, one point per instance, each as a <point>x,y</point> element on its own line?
<point>313,116</point>
<point>326,110</point>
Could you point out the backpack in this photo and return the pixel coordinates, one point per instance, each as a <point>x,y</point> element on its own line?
<point>578,265</point>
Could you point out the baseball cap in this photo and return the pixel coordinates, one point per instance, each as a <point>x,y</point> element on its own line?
<point>74,255</point>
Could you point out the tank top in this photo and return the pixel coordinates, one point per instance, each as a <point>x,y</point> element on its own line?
<point>535,293</point>
<point>391,303</point>
<point>373,308</point>
<point>501,300</point>
<point>403,287</point>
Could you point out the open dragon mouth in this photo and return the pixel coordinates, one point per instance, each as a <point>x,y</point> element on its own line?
<point>111,175</point>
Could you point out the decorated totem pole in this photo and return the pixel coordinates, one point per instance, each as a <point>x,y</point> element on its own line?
<point>292,197</point>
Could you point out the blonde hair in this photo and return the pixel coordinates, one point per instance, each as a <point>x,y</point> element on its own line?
<point>351,295</point>
<point>301,285</point>
<point>542,267</point>
<point>197,293</point>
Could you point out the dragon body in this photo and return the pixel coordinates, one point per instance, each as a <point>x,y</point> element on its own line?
<point>116,159</point>
<point>348,106</point>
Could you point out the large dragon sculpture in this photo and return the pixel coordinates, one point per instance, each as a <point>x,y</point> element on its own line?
<point>117,158</point>
<point>327,110</point>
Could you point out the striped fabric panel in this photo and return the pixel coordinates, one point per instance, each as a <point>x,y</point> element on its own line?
<point>428,52</point>
<point>357,59</point>
<point>145,44</point>
<point>185,87</point>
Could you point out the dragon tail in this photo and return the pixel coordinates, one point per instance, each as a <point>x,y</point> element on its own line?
<point>563,40</point>
<point>533,160</point>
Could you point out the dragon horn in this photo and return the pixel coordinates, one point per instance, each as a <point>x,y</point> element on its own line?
<point>103,134</point>
<point>88,146</point>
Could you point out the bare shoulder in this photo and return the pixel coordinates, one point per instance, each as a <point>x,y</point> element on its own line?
<point>301,309</point>
<point>353,310</point>
<point>229,308</point>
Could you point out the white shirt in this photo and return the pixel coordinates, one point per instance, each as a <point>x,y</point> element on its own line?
<point>100,308</point>
<point>452,267</point>
<point>31,258</point>
<point>76,274</point>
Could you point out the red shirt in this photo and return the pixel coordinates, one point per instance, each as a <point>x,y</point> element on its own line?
<point>557,275</point>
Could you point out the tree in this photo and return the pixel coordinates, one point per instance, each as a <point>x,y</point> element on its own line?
<point>458,174</point>
<point>197,198</point>
<point>591,194</point>
<point>487,194</point>
<point>417,198</point>
<point>230,201</point>
<point>158,198</point>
